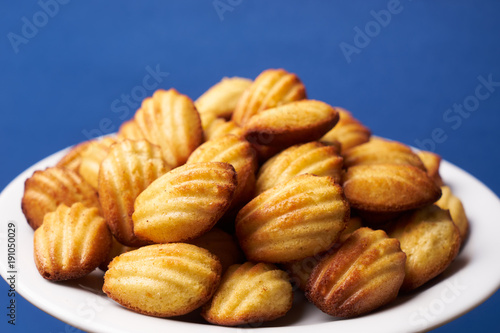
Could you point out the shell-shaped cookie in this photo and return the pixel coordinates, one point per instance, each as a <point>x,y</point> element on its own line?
<point>365,273</point>
<point>127,170</point>
<point>292,220</point>
<point>313,157</point>
<point>47,189</point>
<point>214,127</point>
<point>170,120</point>
<point>249,293</point>
<point>291,123</point>
<point>449,201</point>
<point>73,158</point>
<point>92,158</point>
<point>430,240</point>
<point>237,152</point>
<point>349,131</point>
<point>221,99</point>
<point>380,151</point>
<point>389,187</point>
<point>163,280</point>
<point>223,245</point>
<point>432,162</point>
<point>185,202</point>
<point>130,130</point>
<point>71,242</point>
<point>272,88</point>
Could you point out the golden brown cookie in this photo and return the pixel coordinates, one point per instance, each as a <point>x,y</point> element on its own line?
<point>389,187</point>
<point>293,220</point>
<point>449,201</point>
<point>380,151</point>
<point>127,170</point>
<point>430,240</point>
<point>221,99</point>
<point>214,127</point>
<point>92,157</point>
<point>73,158</point>
<point>130,130</point>
<point>250,293</point>
<point>71,242</point>
<point>163,280</point>
<point>237,152</point>
<point>185,202</point>
<point>117,248</point>
<point>170,120</point>
<point>364,274</point>
<point>349,131</point>
<point>47,189</point>
<point>432,162</point>
<point>353,224</point>
<point>272,88</point>
<point>223,245</point>
<point>313,158</point>
<point>292,123</point>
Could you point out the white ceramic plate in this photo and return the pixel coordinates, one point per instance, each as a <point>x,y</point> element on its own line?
<point>470,280</point>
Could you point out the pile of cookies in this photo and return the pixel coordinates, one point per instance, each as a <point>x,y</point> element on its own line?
<point>233,202</point>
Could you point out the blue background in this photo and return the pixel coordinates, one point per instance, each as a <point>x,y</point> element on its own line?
<point>62,81</point>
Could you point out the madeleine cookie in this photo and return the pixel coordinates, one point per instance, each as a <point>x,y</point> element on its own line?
<point>432,161</point>
<point>237,152</point>
<point>71,242</point>
<point>214,127</point>
<point>364,274</point>
<point>450,202</point>
<point>349,132</point>
<point>185,202</point>
<point>47,189</point>
<point>92,157</point>
<point>430,240</point>
<point>293,220</point>
<point>130,130</point>
<point>127,170</point>
<point>221,99</point>
<point>223,245</point>
<point>163,280</point>
<point>272,88</point>
<point>250,293</point>
<point>380,151</point>
<point>313,158</point>
<point>389,187</point>
<point>291,123</point>
<point>73,158</point>
<point>170,120</point>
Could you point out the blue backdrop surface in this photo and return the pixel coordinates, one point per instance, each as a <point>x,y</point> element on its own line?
<point>425,73</point>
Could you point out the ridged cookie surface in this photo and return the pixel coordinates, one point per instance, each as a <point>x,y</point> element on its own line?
<point>237,152</point>
<point>127,170</point>
<point>214,127</point>
<point>170,120</point>
<point>250,293</point>
<point>163,280</point>
<point>292,220</point>
<point>47,189</point>
<point>432,162</point>
<point>73,158</point>
<point>92,157</point>
<point>272,88</point>
<point>221,99</point>
<point>292,123</point>
<point>313,157</point>
<point>71,243</point>
<point>349,131</point>
<point>449,201</point>
<point>130,130</point>
<point>365,273</point>
<point>185,202</point>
